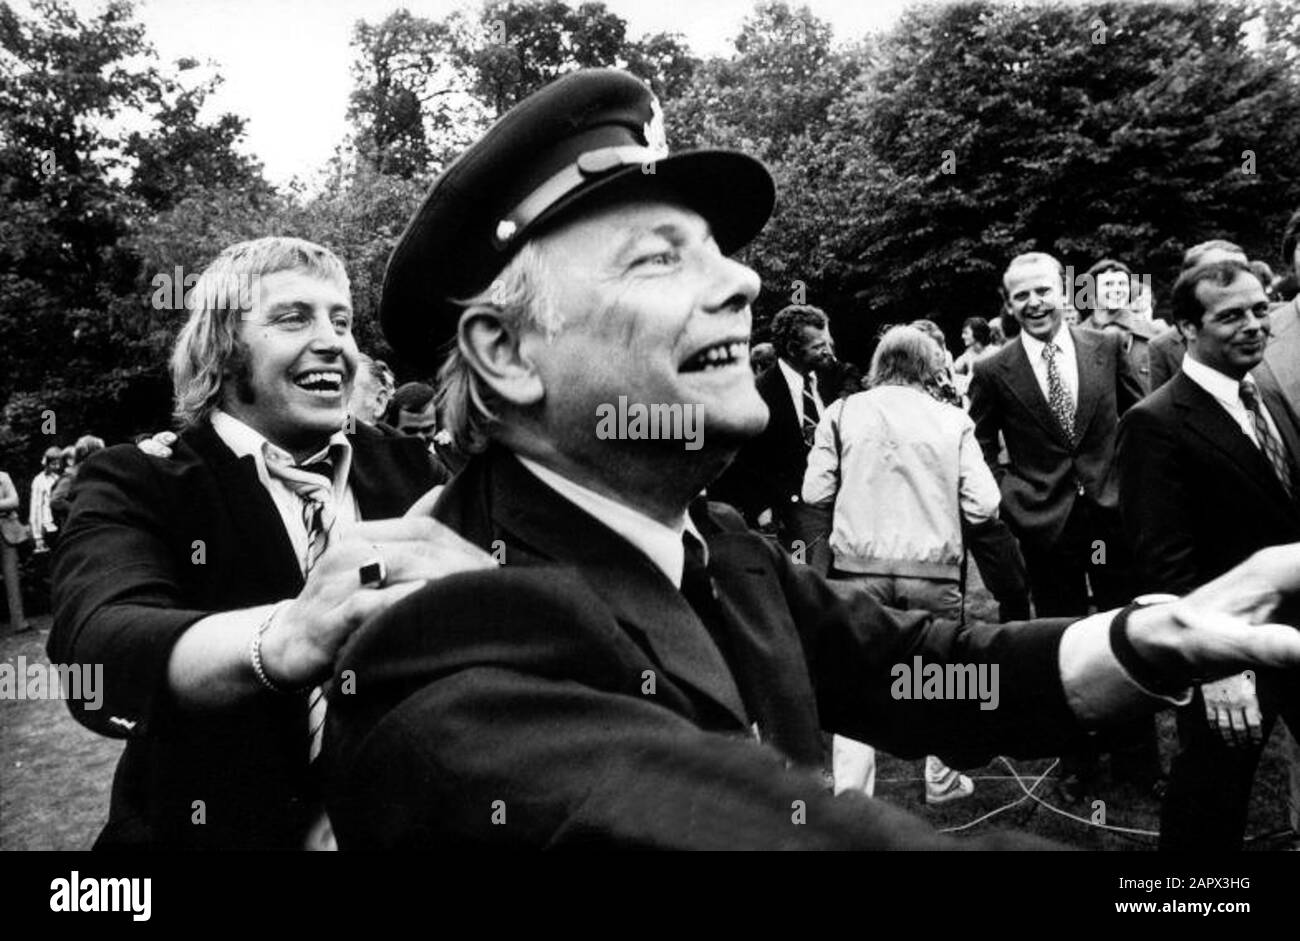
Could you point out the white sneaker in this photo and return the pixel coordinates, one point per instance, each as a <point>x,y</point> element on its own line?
<point>943,784</point>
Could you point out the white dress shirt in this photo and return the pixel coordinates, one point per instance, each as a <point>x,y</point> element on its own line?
<point>795,381</point>
<point>1067,362</point>
<point>244,440</point>
<point>661,544</point>
<point>1227,392</point>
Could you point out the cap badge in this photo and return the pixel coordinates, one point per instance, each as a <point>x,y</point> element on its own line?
<point>506,229</point>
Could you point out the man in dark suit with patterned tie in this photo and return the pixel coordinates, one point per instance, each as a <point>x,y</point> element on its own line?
<point>1208,475</point>
<point>767,475</point>
<point>643,670</point>
<point>215,585</point>
<point>1055,396</point>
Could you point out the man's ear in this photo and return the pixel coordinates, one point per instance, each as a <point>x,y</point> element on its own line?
<point>1188,331</point>
<point>492,347</point>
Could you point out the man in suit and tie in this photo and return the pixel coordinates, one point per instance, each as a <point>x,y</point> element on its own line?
<point>1055,395</point>
<point>644,671</point>
<point>1208,475</point>
<point>767,475</point>
<point>215,585</point>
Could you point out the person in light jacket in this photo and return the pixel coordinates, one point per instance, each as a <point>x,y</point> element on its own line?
<point>902,469</point>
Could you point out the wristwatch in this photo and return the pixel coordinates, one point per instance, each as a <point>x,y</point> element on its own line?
<point>1143,673</point>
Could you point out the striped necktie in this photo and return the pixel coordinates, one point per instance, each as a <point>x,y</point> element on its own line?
<point>313,484</point>
<point>811,413</point>
<point>1268,442</point>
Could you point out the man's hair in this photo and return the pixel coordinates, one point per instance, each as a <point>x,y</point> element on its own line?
<point>86,446</point>
<point>52,451</point>
<point>1290,236</point>
<point>410,397</point>
<point>521,297</point>
<point>1186,306</point>
<point>980,329</point>
<point>1192,257</point>
<point>789,322</point>
<point>1031,258</point>
<point>905,356</point>
<point>208,344</point>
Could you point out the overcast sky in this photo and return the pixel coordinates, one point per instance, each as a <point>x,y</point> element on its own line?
<point>286,62</point>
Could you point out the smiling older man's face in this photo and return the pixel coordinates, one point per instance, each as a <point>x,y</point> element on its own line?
<point>652,310</point>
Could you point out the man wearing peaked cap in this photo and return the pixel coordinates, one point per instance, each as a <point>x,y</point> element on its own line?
<point>592,135</point>
<point>642,670</point>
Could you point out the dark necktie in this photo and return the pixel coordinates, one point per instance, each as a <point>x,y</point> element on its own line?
<point>811,414</point>
<point>697,584</point>
<point>1058,398</point>
<point>1268,442</point>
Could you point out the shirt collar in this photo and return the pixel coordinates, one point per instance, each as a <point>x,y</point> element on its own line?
<point>1034,346</point>
<point>1222,387</point>
<point>245,441</point>
<point>661,544</point>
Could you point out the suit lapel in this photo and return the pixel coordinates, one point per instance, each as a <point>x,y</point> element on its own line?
<point>1019,376</point>
<point>1205,418</point>
<point>259,527</point>
<point>532,516</point>
<point>762,643</point>
<point>1090,356</point>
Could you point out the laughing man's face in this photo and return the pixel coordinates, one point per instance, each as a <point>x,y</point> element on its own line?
<point>654,311</point>
<point>301,359</point>
<point>1036,297</point>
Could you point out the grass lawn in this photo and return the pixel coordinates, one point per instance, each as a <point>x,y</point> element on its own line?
<point>55,778</point>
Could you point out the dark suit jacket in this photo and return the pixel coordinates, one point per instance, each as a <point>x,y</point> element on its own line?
<point>768,471</point>
<point>129,579</point>
<point>1046,472</point>
<point>1196,496</point>
<point>1167,351</point>
<point>575,694</point>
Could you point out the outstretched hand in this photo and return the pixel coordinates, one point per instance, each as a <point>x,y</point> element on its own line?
<point>1228,625</point>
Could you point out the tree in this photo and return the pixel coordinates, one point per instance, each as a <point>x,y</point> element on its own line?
<point>404,70</point>
<point>425,89</point>
<point>77,328</point>
<point>774,99</point>
<point>1131,130</point>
